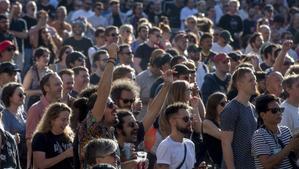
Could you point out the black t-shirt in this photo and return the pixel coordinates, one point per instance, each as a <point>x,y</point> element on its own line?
<point>53,145</point>
<point>144,53</point>
<point>81,45</point>
<point>30,22</point>
<point>94,79</point>
<point>232,23</point>
<point>116,20</point>
<point>174,13</point>
<point>6,36</point>
<point>18,25</point>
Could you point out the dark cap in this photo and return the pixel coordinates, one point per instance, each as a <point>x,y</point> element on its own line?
<point>226,36</point>
<point>6,44</point>
<point>234,56</point>
<point>165,58</point>
<point>220,57</point>
<point>7,67</point>
<point>182,69</point>
<point>193,49</point>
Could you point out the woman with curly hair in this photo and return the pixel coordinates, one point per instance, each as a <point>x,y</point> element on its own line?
<point>53,139</point>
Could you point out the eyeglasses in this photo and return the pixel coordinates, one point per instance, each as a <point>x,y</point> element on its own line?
<point>10,49</point>
<point>132,124</point>
<point>186,119</point>
<point>114,34</point>
<point>276,110</point>
<point>287,63</point>
<point>110,105</point>
<point>128,100</point>
<point>21,95</point>
<point>222,104</point>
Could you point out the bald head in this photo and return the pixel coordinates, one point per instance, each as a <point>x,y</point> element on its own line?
<point>274,83</point>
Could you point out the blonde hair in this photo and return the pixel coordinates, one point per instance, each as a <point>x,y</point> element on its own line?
<point>52,112</point>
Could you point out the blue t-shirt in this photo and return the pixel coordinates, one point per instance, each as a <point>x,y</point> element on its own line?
<point>15,123</point>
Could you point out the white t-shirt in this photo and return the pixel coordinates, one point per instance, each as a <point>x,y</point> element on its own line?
<point>219,49</point>
<point>290,117</point>
<point>172,153</point>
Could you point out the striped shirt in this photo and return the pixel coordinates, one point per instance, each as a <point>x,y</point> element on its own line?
<point>265,143</point>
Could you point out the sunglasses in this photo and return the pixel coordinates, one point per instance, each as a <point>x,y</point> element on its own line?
<point>186,119</point>
<point>21,95</point>
<point>128,101</point>
<point>110,105</point>
<point>288,63</point>
<point>222,104</point>
<point>114,34</point>
<point>10,49</point>
<point>132,124</point>
<point>276,110</point>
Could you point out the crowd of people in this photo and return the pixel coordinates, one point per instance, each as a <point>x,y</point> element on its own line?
<point>164,84</point>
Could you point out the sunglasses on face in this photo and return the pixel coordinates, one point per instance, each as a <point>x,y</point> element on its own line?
<point>222,104</point>
<point>110,105</point>
<point>132,124</point>
<point>288,63</point>
<point>186,119</point>
<point>128,101</point>
<point>276,110</point>
<point>114,34</point>
<point>21,95</point>
<point>10,49</point>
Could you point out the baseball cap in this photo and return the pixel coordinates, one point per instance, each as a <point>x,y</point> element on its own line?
<point>6,44</point>
<point>7,67</point>
<point>235,56</point>
<point>220,57</point>
<point>226,36</point>
<point>182,69</point>
<point>165,58</point>
<point>193,48</point>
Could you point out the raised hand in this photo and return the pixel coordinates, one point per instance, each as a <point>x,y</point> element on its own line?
<point>287,45</point>
<point>112,50</point>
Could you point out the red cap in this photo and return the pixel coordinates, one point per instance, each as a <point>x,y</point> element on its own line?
<point>220,57</point>
<point>5,44</point>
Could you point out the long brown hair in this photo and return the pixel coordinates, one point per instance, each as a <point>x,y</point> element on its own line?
<point>51,113</point>
<point>213,102</point>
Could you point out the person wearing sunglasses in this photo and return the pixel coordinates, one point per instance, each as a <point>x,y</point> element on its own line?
<point>180,120</point>
<point>273,145</point>
<point>211,127</point>
<point>7,51</point>
<point>8,73</point>
<point>125,55</point>
<point>14,116</point>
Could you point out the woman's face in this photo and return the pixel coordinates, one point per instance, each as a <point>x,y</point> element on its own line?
<point>66,52</point>
<point>43,60</point>
<point>18,97</point>
<point>221,105</point>
<point>60,123</point>
<point>45,35</point>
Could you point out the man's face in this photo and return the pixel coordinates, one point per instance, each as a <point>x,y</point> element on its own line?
<point>274,83</point>
<point>130,128</point>
<point>155,37</point>
<point>110,116</point>
<point>272,116</point>
<point>113,36</point>
<point>4,6</point>
<point>8,77</point>
<point>248,84</point>
<point>127,55</point>
<point>101,38</point>
<point>17,10</point>
<point>60,13</point>
<point>223,66</point>
<point>79,62</point>
<point>206,44</point>
<point>126,100</point>
<point>102,61</point>
<point>54,87</point>
<point>258,42</point>
<point>4,25</point>
<point>143,34</point>
<point>183,122</point>
<point>87,4</point>
<point>68,83</point>
<point>182,44</point>
<point>77,29</point>
<point>294,90</point>
<point>115,8</point>
<point>82,79</point>
<point>233,7</point>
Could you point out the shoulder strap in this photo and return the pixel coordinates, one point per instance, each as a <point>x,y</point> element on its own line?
<point>185,152</point>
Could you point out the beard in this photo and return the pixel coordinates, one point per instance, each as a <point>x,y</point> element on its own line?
<point>184,130</point>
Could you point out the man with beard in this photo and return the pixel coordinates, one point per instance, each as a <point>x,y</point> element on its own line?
<point>99,59</point>
<point>255,43</point>
<point>51,86</point>
<point>67,77</point>
<point>175,151</point>
<point>81,80</point>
